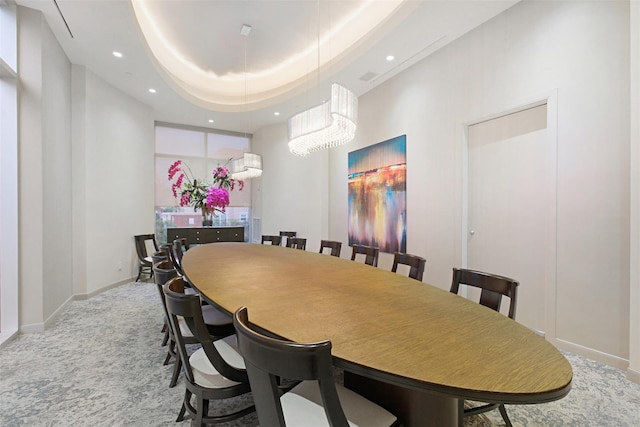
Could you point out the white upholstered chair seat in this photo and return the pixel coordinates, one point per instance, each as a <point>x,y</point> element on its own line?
<point>205,374</point>
<point>213,316</point>
<point>302,406</point>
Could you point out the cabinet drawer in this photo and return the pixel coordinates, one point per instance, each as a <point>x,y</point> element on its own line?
<point>177,233</point>
<point>202,235</point>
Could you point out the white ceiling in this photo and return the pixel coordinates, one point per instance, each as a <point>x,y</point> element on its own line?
<point>209,31</point>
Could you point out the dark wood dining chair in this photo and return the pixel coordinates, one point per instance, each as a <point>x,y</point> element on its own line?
<point>493,289</point>
<point>163,271</point>
<point>219,324</point>
<point>285,234</point>
<point>215,371</point>
<point>145,262</point>
<point>296,243</point>
<point>268,359</point>
<point>370,253</point>
<point>158,256</point>
<point>416,264</point>
<point>176,254</point>
<point>334,245</point>
<point>273,240</point>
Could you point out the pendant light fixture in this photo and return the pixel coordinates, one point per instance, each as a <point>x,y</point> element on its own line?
<point>249,165</point>
<point>327,125</point>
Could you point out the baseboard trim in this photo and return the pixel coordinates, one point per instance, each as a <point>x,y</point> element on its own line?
<point>40,327</point>
<point>80,297</point>
<point>633,375</point>
<point>589,353</point>
<point>54,316</point>
<point>32,328</point>
<point>6,337</point>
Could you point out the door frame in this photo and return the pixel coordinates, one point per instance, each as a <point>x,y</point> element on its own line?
<point>550,212</point>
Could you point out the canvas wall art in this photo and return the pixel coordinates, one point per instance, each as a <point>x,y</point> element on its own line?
<point>378,195</point>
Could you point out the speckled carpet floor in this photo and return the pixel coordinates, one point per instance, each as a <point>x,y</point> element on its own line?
<point>100,364</point>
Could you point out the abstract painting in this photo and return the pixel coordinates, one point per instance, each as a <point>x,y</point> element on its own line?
<point>378,195</point>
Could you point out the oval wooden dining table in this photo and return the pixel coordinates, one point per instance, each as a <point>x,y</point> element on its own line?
<point>413,348</point>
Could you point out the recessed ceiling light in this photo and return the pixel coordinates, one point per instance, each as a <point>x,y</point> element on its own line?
<point>210,120</point>
<point>152,90</point>
<point>117,54</point>
<point>277,113</point>
<point>390,57</point>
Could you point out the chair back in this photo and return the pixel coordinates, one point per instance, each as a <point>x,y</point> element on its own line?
<point>189,307</point>
<point>185,243</point>
<point>166,248</point>
<point>163,271</point>
<point>284,234</point>
<point>268,358</point>
<point>493,287</point>
<point>371,254</point>
<point>141,245</point>
<point>296,243</point>
<point>159,256</point>
<point>176,255</point>
<point>274,240</point>
<point>333,245</point>
<point>416,264</point>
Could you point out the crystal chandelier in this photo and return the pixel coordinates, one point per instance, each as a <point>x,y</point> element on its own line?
<point>247,167</point>
<point>327,125</point>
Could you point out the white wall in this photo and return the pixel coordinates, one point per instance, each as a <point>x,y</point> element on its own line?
<point>580,50</point>
<point>31,28</point>
<point>292,193</point>
<point>117,145</point>
<point>56,171</point>
<point>86,163</point>
<point>634,296</point>
<point>529,50</point>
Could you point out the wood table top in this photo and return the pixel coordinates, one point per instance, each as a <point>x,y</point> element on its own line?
<point>382,324</point>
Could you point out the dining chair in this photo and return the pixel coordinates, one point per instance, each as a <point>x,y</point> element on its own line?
<point>145,262</point>
<point>215,371</point>
<point>176,255</point>
<point>371,254</point>
<point>317,399</point>
<point>219,324</point>
<point>185,243</point>
<point>416,264</point>
<point>274,240</point>
<point>163,271</point>
<point>158,256</point>
<point>334,245</point>
<point>296,243</point>
<point>493,288</point>
<point>284,234</point>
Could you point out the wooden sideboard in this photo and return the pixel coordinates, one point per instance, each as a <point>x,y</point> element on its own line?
<point>202,235</point>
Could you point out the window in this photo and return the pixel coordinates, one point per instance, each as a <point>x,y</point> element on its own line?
<point>201,150</point>
<point>8,174</point>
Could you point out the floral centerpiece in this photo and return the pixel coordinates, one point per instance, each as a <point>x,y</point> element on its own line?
<point>208,196</point>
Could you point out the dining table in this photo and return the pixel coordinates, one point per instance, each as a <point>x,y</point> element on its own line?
<point>414,348</point>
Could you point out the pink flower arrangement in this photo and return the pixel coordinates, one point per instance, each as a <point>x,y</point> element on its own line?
<point>200,194</point>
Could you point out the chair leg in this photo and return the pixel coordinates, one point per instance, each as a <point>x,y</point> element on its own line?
<point>183,410</point>
<point>139,273</point>
<point>505,417</point>
<point>170,352</point>
<point>460,412</point>
<point>203,411</point>
<point>176,371</point>
<point>165,339</point>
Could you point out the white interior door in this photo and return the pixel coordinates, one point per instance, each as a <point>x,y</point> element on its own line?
<point>508,198</point>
